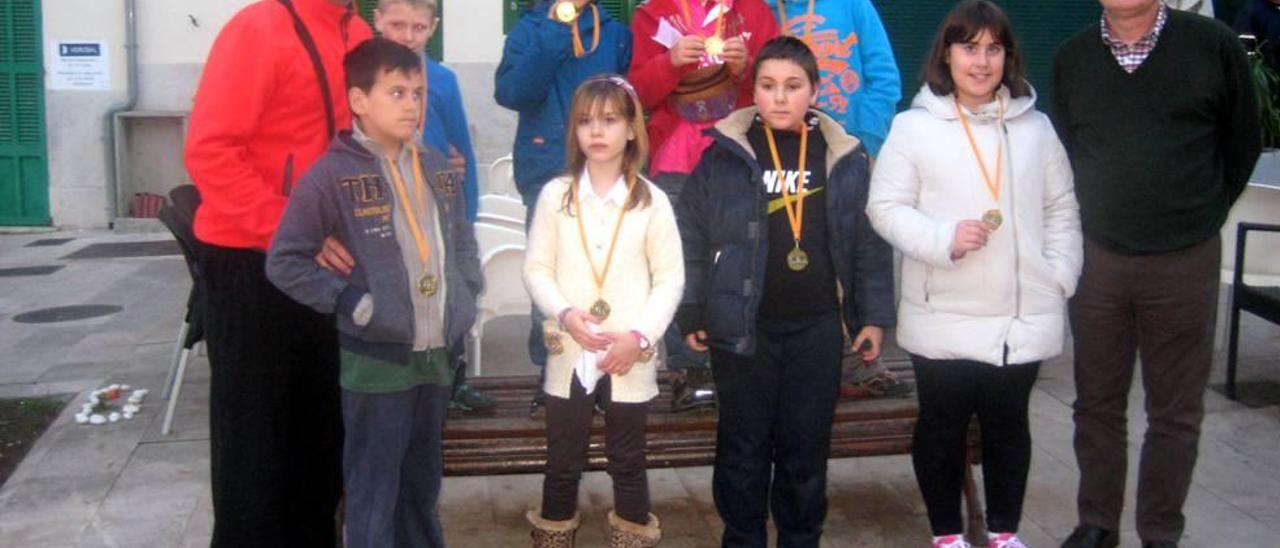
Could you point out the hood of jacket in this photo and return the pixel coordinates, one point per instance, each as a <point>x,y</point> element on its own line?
<point>944,106</point>
<point>839,143</point>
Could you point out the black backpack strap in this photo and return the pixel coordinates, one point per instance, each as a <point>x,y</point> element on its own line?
<point>310,44</point>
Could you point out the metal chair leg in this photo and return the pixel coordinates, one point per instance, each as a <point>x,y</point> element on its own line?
<point>1233,339</point>
<point>177,354</point>
<point>177,389</point>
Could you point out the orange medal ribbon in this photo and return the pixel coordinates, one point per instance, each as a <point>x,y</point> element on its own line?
<point>797,259</point>
<point>992,217</point>
<point>714,44</point>
<point>428,285</point>
<point>808,23</point>
<point>600,308</point>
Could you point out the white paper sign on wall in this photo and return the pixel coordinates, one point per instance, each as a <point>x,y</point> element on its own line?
<point>79,65</point>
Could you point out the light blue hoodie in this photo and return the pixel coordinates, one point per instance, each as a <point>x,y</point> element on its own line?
<point>861,85</point>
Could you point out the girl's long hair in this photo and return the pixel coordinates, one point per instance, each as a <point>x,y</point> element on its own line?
<point>964,23</point>
<point>592,98</point>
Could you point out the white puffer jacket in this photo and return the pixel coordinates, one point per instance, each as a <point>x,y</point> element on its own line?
<point>1011,293</point>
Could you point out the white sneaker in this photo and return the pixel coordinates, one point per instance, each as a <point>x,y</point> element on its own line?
<point>951,541</point>
<point>1004,540</point>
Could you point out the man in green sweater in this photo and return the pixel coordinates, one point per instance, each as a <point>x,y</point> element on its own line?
<point>1157,111</point>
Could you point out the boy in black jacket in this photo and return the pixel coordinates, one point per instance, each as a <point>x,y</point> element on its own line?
<point>404,310</point>
<point>779,257</point>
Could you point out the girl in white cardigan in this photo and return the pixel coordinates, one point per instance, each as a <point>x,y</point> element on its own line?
<point>974,188</point>
<point>605,264</point>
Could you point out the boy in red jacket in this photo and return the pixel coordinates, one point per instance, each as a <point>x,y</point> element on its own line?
<point>263,113</point>
<point>691,62</point>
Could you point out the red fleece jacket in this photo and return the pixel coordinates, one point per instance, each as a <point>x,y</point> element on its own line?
<point>653,75</point>
<point>258,120</point>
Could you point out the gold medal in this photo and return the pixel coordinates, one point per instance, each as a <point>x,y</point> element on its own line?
<point>714,46</point>
<point>993,219</point>
<point>797,259</point>
<point>428,285</point>
<point>600,309</point>
<point>566,11</point>
<point>555,346</point>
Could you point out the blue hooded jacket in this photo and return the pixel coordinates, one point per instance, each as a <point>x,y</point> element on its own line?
<point>537,78</point>
<point>446,126</point>
<point>861,85</point>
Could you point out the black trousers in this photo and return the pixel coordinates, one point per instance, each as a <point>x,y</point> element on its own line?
<point>774,433</point>
<point>393,461</point>
<point>950,393</point>
<point>568,434</point>
<point>1162,308</point>
<point>274,419</point>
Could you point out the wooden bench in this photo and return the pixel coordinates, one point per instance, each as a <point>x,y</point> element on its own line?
<point>510,442</point>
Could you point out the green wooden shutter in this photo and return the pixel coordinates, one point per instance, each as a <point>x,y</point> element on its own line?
<point>435,48</point>
<point>24,187</point>
<point>1040,27</point>
<point>620,9</point>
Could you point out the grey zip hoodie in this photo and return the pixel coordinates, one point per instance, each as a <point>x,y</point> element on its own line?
<point>345,195</point>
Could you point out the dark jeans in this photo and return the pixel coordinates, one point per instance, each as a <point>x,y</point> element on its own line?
<point>568,434</point>
<point>1161,307</point>
<point>537,347</point>
<point>774,433</point>
<point>950,392</point>
<point>274,419</point>
<point>392,462</point>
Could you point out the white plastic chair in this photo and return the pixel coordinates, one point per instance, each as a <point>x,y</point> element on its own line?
<point>501,204</point>
<point>490,237</point>
<point>504,293</point>
<point>502,178</point>
<point>499,220</point>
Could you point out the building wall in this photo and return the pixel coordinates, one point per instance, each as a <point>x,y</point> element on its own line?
<point>173,40</point>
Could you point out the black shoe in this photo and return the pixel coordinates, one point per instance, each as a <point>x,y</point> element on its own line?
<point>693,389</point>
<point>1089,536</point>
<point>1160,544</point>
<point>538,406</point>
<point>469,400</point>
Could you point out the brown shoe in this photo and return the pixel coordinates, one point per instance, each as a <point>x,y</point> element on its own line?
<point>552,534</point>
<point>625,534</point>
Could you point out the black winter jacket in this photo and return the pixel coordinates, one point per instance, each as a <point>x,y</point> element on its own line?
<point>724,229</point>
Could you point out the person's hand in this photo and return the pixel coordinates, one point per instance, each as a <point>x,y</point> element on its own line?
<point>735,55</point>
<point>335,258</point>
<point>575,322</point>
<point>971,235</point>
<point>623,353</point>
<point>696,341</point>
<point>688,49</point>
<point>457,161</point>
<point>868,342</point>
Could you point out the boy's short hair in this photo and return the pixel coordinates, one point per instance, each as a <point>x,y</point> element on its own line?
<point>431,5</point>
<point>789,48</point>
<point>375,56</point>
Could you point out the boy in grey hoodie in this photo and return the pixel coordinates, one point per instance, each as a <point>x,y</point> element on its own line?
<point>404,310</point>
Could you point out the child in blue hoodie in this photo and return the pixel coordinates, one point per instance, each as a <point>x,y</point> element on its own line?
<point>860,84</point>
<point>556,45</point>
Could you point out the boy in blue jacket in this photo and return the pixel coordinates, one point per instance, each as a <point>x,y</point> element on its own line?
<point>556,45</point>
<point>860,84</point>
<point>406,306</point>
<point>412,23</point>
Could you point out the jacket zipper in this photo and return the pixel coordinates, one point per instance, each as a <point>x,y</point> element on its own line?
<point>1013,225</point>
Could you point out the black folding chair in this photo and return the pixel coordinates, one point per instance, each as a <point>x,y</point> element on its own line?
<point>1263,301</point>
<point>179,218</point>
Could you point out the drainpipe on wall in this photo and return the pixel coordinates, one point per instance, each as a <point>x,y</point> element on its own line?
<point>109,125</point>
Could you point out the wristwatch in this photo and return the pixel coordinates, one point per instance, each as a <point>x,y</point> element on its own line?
<point>646,347</point>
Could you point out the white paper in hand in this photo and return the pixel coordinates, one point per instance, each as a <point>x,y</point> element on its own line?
<point>667,34</point>
<point>586,370</point>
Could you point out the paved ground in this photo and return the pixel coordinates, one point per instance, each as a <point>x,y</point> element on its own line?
<point>125,485</point>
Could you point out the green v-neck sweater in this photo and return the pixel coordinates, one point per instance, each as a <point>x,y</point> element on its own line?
<point>1159,154</point>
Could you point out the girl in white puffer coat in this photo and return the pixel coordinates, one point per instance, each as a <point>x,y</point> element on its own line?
<point>974,188</point>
